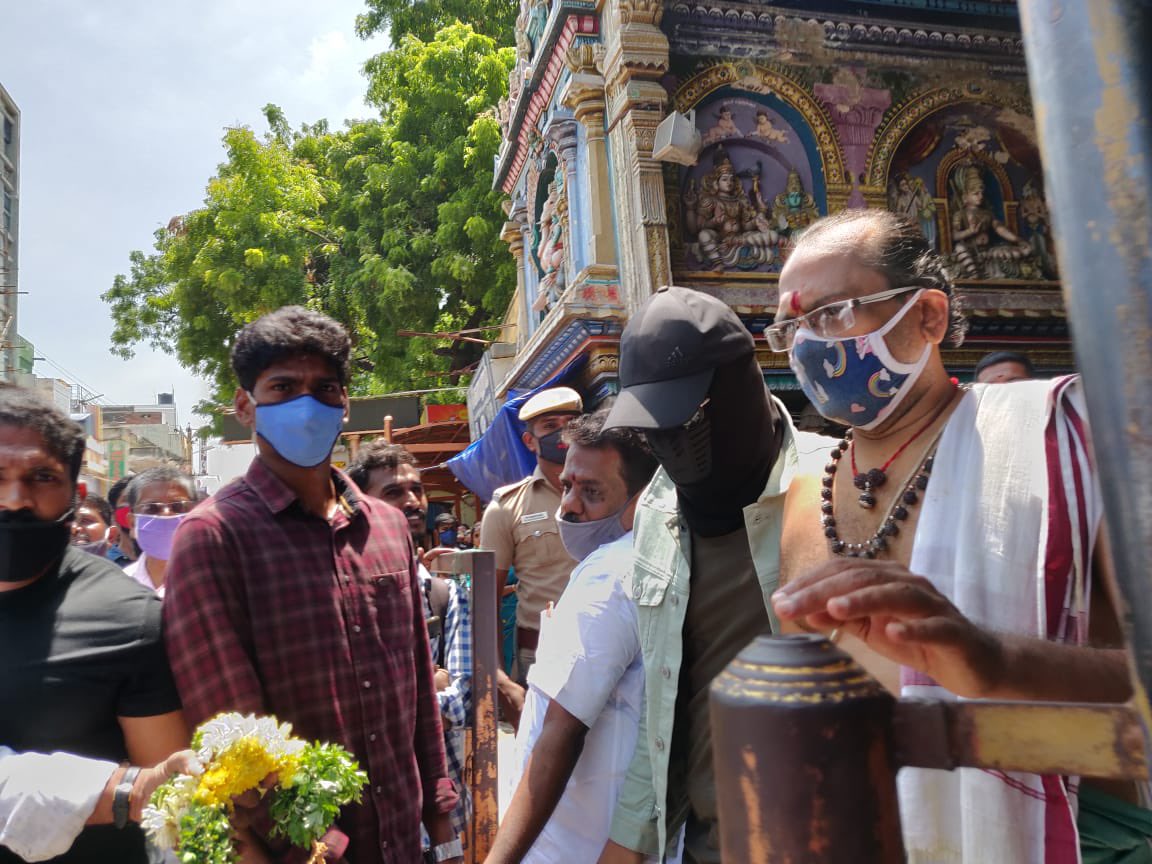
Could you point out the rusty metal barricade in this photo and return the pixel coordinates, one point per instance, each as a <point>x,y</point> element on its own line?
<point>806,744</point>
<point>475,571</point>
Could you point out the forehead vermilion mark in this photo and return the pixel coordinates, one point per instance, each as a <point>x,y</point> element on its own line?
<point>794,302</point>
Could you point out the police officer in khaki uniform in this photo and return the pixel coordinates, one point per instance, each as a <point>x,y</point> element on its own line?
<point>520,523</point>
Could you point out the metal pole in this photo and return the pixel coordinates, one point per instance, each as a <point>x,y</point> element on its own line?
<point>1089,69</point>
<point>803,756</point>
<point>479,568</point>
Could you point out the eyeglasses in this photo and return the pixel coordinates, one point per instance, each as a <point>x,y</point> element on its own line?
<point>828,321</point>
<point>164,508</point>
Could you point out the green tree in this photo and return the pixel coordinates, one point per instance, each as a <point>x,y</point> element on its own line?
<point>422,210</point>
<point>425,18</point>
<point>385,225</point>
<point>251,248</point>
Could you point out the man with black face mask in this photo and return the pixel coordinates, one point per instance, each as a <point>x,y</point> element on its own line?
<point>520,523</point>
<point>707,537</point>
<point>82,665</point>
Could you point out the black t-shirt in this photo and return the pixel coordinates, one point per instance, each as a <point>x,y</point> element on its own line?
<point>79,648</point>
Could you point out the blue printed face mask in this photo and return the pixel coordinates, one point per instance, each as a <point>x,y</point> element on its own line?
<point>302,430</point>
<point>855,380</point>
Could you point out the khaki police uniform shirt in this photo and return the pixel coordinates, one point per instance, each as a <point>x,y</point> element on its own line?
<point>520,527</point>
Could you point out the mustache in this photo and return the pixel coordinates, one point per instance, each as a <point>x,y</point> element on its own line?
<point>415,511</point>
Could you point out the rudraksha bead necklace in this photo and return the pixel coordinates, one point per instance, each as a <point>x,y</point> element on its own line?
<point>869,481</point>
<point>897,513</point>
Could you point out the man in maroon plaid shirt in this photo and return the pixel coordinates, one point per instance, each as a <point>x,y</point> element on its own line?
<point>291,594</point>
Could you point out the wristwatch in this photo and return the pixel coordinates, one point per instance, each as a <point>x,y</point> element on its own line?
<point>121,796</point>
<point>448,851</point>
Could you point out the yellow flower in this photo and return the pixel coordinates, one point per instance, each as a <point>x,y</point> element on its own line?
<point>239,768</point>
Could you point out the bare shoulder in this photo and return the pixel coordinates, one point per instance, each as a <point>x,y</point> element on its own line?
<point>801,537</point>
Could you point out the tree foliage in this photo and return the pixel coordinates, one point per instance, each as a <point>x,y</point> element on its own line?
<point>387,224</point>
<point>245,252</point>
<point>424,18</point>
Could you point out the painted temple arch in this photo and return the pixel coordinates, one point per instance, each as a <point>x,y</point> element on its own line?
<point>963,164</point>
<point>771,163</point>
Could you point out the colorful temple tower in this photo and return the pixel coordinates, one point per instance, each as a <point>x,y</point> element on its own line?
<point>801,108</point>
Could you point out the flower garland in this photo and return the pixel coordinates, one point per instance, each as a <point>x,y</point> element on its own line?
<point>192,815</point>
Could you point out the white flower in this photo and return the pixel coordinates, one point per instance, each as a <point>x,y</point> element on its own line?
<point>161,818</point>
<point>219,733</point>
<point>222,731</point>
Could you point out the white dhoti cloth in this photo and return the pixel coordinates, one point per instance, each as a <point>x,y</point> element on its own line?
<point>1007,529</point>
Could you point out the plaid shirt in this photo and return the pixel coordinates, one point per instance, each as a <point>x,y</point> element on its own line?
<point>456,698</point>
<point>273,610</point>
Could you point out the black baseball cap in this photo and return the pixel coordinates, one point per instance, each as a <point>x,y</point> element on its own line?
<point>668,352</point>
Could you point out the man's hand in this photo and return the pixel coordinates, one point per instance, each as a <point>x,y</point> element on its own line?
<point>510,696</point>
<point>250,849</point>
<point>149,779</point>
<point>900,616</point>
<point>440,831</point>
<point>442,680</point>
<point>252,823</point>
<point>428,558</point>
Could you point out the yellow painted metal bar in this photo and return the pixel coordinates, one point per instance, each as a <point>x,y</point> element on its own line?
<point>1040,738</point>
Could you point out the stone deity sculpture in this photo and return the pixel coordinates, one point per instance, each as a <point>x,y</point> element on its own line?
<point>1034,214</point>
<point>765,131</point>
<point>725,127</point>
<point>982,246</point>
<point>908,197</point>
<point>730,232</point>
<point>793,210</point>
<point>550,247</point>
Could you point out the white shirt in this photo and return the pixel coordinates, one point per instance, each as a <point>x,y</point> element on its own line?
<point>45,799</point>
<point>138,570</point>
<point>589,661</point>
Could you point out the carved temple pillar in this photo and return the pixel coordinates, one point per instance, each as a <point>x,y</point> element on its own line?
<point>512,233</point>
<point>856,112</point>
<point>563,135</point>
<point>584,94</point>
<point>635,58</point>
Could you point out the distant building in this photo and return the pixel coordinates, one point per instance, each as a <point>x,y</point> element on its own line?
<point>139,437</point>
<point>9,235</point>
<point>121,439</point>
<point>58,392</point>
<point>73,401</point>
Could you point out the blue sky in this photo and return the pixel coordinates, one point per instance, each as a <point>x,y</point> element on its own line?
<point>123,104</point>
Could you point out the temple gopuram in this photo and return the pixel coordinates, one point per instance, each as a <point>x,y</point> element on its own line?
<point>802,108</point>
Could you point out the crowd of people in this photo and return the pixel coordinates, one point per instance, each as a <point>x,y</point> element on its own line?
<point>949,542</point>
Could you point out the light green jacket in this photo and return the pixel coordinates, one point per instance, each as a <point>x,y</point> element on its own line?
<point>660,589</point>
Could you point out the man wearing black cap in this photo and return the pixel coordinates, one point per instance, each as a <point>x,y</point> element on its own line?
<point>707,547</point>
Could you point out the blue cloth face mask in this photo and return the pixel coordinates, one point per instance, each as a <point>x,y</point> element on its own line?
<point>855,380</point>
<point>581,539</point>
<point>302,430</point>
